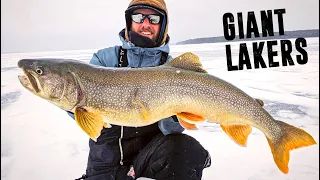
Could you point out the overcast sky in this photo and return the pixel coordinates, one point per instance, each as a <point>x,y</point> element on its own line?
<point>50,25</point>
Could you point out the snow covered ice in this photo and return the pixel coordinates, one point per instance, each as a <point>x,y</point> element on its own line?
<point>40,141</point>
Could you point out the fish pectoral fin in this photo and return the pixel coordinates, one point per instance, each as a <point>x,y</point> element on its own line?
<point>143,109</point>
<point>238,133</point>
<point>291,138</point>
<point>188,61</point>
<point>91,123</point>
<point>186,125</point>
<point>260,102</point>
<point>144,112</point>
<point>190,117</point>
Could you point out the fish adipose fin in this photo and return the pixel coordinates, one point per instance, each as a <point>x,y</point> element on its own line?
<point>188,61</point>
<point>91,123</point>
<point>238,133</point>
<point>260,102</point>
<point>291,138</point>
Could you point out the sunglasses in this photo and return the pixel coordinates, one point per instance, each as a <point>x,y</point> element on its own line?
<point>139,18</point>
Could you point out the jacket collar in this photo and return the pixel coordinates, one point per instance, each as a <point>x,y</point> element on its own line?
<point>128,45</point>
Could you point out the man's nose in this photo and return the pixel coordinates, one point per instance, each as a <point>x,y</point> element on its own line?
<point>146,22</point>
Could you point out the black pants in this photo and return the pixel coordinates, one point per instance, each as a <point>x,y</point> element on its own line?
<point>175,156</point>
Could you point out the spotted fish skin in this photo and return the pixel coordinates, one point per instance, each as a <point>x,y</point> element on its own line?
<point>136,97</point>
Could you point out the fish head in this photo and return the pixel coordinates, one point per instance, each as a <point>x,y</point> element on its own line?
<point>50,79</point>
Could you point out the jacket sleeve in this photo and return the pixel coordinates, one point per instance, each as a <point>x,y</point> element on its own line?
<point>169,57</point>
<point>71,114</point>
<point>170,125</point>
<point>107,57</point>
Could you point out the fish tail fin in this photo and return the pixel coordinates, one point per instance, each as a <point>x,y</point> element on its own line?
<point>291,138</point>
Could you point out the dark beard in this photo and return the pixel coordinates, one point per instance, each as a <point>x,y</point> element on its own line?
<point>141,41</point>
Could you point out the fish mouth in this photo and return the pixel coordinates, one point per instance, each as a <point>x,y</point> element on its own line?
<point>29,82</point>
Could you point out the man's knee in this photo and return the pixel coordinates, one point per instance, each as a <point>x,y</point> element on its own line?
<point>182,144</point>
<point>178,156</point>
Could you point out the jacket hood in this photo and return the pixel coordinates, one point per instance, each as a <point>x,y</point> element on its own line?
<point>157,5</point>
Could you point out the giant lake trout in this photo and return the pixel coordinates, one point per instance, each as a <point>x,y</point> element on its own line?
<point>135,97</point>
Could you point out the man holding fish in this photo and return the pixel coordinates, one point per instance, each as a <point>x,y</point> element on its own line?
<point>160,150</point>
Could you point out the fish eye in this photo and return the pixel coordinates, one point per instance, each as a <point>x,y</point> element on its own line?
<point>39,71</point>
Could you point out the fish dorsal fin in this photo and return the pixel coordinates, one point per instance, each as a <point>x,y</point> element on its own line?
<point>188,61</point>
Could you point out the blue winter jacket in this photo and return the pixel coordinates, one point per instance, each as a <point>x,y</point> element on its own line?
<point>138,57</point>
